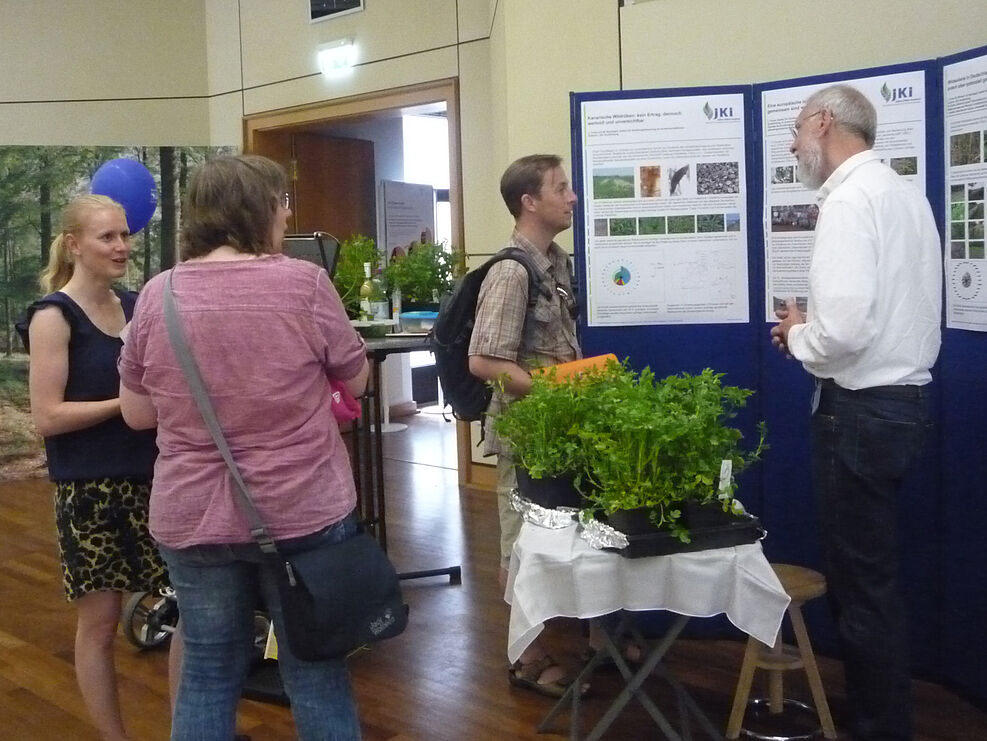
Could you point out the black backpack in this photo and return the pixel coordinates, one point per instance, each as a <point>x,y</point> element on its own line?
<point>449,339</point>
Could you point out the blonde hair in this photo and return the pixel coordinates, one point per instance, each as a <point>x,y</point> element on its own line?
<point>75,218</point>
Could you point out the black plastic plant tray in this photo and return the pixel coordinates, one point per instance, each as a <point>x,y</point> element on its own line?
<point>661,543</point>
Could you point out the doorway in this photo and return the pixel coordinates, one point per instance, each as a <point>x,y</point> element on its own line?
<point>272,134</point>
<point>333,171</point>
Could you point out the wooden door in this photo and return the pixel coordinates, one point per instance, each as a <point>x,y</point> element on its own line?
<point>334,185</point>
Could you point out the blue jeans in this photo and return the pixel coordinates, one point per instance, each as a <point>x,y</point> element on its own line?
<point>218,588</point>
<point>863,443</point>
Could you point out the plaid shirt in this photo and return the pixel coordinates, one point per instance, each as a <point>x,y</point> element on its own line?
<point>506,328</point>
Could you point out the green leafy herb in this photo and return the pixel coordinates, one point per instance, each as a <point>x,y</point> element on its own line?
<point>427,269</point>
<point>634,441</point>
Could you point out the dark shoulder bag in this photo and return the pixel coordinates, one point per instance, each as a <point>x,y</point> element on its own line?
<point>335,597</point>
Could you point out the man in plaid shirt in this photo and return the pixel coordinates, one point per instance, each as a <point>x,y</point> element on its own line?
<point>510,338</point>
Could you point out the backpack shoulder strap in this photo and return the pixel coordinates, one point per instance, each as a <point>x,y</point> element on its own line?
<point>518,255</point>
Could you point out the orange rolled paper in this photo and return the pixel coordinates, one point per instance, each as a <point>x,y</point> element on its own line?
<point>575,367</point>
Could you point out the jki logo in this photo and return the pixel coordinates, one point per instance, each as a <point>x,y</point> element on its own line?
<point>894,94</point>
<point>714,114</point>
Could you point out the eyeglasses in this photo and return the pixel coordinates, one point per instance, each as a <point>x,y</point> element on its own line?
<point>798,124</point>
<point>286,200</point>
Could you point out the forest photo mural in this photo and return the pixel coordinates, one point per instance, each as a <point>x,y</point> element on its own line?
<point>35,183</point>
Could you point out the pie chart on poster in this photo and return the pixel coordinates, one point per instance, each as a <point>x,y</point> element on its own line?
<point>966,280</point>
<point>619,277</point>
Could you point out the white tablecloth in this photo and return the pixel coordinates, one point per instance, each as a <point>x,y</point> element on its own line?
<point>555,573</point>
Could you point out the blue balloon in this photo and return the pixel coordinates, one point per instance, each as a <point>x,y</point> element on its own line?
<point>130,184</point>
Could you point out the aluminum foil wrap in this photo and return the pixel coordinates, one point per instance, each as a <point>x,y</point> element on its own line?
<point>600,535</point>
<point>553,519</point>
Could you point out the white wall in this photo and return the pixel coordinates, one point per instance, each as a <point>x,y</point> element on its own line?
<point>120,72</point>
<point>186,71</point>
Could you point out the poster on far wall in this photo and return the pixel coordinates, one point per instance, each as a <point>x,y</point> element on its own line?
<point>790,209</point>
<point>408,218</point>
<point>664,201</point>
<point>965,127</point>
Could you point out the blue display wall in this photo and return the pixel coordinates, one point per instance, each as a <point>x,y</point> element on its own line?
<point>943,513</point>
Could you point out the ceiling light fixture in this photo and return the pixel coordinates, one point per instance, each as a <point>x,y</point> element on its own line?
<point>336,58</point>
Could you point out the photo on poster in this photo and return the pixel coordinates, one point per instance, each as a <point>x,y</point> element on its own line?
<point>652,225</point>
<point>717,177</point>
<point>783,174</point>
<point>965,149</point>
<point>800,217</point>
<point>904,165</point>
<point>682,224</point>
<point>650,178</point>
<point>679,180</point>
<point>613,182</point>
<point>706,223</point>
<point>623,227</point>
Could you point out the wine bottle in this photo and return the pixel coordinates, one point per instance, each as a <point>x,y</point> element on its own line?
<point>379,308</point>
<point>366,291</point>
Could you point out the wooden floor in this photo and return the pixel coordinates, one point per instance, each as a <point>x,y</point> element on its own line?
<point>443,680</point>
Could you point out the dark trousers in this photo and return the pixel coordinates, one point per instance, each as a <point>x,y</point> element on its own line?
<point>863,443</point>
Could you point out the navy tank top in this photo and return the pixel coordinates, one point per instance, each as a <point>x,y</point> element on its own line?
<point>109,449</point>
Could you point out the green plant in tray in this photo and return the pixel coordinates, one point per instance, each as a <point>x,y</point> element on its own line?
<point>663,442</point>
<point>632,440</point>
<point>543,428</point>
<point>425,272</point>
<point>353,253</point>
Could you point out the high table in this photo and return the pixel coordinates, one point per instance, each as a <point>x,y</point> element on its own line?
<point>368,447</point>
<point>555,573</point>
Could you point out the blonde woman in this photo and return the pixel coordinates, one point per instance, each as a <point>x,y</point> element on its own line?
<point>101,468</point>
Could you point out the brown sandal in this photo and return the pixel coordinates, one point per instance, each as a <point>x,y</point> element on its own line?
<point>527,675</point>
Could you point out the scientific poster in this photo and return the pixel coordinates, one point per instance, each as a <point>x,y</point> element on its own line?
<point>965,128</point>
<point>664,204</point>
<point>790,209</point>
<point>409,216</point>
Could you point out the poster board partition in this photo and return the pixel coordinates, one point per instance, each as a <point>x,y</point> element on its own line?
<point>944,511</point>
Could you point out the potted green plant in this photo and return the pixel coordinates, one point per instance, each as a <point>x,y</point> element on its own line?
<point>656,447</point>
<point>541,430</point>
<point>422,276</point>
<point>353,253</point>
<point>643,451</point>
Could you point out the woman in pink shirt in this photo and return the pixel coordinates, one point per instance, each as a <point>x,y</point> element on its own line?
<point>269,333</point>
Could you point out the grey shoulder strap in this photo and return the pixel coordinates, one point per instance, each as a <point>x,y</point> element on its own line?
<point>194,378</point>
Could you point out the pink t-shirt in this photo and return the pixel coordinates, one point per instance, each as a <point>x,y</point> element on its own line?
<point>267,334</point>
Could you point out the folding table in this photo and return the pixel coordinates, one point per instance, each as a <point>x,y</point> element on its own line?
<point>555,573</point>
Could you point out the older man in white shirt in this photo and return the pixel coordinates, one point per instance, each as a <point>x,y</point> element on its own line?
<point>870,336</point>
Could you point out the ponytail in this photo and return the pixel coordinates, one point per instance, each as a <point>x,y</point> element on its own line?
<point>59,269</point>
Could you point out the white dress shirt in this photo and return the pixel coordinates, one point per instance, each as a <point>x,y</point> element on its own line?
<point>875,281</point>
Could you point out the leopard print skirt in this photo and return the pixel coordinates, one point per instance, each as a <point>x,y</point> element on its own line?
<point>103,538</point>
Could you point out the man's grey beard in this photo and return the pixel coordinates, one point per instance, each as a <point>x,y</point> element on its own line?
<point>810,167</point>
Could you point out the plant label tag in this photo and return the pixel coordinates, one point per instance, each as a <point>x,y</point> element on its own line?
<point>726,475</point>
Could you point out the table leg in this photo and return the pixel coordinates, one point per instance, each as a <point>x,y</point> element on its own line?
<point>369,458</point>
<point>377,454</point>
<point>635,681</point>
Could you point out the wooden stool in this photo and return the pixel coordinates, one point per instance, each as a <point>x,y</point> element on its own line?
<point>802,585</point>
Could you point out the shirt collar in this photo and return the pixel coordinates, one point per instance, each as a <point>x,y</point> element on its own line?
<point>842,172</point>
<point>543,261</point>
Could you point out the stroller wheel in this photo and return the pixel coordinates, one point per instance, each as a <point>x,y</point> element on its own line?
<point>149,618</point>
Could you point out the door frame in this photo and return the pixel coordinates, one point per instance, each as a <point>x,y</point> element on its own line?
<point>303,118</point>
